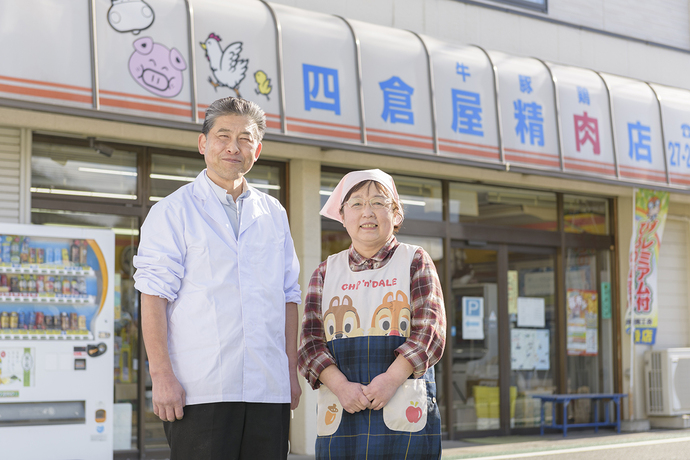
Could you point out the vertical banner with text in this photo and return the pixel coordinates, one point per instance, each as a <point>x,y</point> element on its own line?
<point>651,207</point>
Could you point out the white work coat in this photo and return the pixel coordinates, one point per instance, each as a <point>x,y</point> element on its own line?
<point>226,295</point>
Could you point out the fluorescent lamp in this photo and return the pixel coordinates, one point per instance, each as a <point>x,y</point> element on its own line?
<point>264,186</point>
<point>55,191</point>
<point>168,177</point>
<point>108,171</point>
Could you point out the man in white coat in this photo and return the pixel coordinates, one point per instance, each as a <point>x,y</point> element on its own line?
<point>218,272</point>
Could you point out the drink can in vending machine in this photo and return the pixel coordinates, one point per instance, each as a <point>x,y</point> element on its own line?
<point>74,321</point>
<point>4,283</point>
<point>40,256</point>
<point>40,284</point>
<point>32,255</point>
<point>66,286</point>
<point>82,322</point>
<point>73,284</point>
<point>21,319</point>
<point>31,320</point>
<point>14,320</point>
<point>83,253</point>
<point>14,284</point>
<point>49,322</point>
<point>64,321</point>
<point>40,320</point>
<point>49,256</point>
<point>57,285</point>
<point>4,320</point>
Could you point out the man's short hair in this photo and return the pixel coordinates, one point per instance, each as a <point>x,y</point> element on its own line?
<point>235,106</point>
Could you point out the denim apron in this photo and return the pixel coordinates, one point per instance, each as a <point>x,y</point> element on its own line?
<point>367,316</point>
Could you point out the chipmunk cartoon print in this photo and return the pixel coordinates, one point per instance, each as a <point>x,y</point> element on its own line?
<point>157,68</point>
<point>341,320</point>
<point>226,66</point>
<point>130,16</point>
<point>393,316</point>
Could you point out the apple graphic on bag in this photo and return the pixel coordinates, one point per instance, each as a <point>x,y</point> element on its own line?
<point>413,413</point>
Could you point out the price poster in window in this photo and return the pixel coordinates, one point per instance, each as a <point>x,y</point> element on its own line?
<point>583,310</point>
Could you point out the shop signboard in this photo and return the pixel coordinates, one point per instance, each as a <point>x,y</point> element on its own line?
<point>465,99</point>
<point>395,81</point>
<point>29,68</point>
<point>651,208</point>
<point>235,55</point>
<point>319,65</point>
<point>527,106</point>
<point>637,130</point>
<point>585,121</point>
<point>675,121</point>
<point>143,58</point>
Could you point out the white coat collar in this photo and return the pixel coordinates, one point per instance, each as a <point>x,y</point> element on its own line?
<point>252,206</point>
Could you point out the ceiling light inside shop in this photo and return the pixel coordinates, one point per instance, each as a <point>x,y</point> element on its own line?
<point>108,171</point>
<point>55,191</point>
<point>169,177</point>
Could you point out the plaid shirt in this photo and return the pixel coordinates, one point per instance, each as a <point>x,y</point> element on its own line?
<point>422,349</point>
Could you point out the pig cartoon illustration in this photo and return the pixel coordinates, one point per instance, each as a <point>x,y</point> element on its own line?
<point>130,16</point>
<point>157,68</point>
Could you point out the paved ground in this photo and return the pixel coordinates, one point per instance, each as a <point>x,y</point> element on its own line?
<point>579,445</point>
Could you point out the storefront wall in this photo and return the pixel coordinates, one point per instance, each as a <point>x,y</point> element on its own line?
<point>305,157</point>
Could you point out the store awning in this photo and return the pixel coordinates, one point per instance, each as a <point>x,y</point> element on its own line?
<point>346,83</point>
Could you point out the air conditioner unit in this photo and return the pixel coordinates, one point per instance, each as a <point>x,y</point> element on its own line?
<point>667,374</point>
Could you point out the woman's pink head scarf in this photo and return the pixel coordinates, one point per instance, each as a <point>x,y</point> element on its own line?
<point>332,207</point>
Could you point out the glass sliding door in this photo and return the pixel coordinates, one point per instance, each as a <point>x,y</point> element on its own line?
<point>474,342</point>
<point>532,314</point>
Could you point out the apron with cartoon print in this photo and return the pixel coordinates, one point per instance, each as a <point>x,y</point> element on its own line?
<point>366,317</point>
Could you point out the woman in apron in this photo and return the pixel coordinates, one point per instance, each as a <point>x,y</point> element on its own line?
<point>374,326</point>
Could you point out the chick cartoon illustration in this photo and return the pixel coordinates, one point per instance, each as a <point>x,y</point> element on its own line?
<point>392,317</point>
<point>263,83</point>
<point>227,67</point>
<point>341,319</point>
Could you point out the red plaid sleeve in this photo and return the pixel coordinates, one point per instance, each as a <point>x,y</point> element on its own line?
<point>313,355</point>
<point>427,340</point>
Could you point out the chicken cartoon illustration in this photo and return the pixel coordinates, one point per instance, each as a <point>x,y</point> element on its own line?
<point>392,317</point>
<point>227,67</point>
<point>341,319</point>
<point>263,83</point>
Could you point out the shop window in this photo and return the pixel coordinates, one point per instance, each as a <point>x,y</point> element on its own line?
<point>126,313</point>
<point>586,215</point>
<point>421,198</point>
<point>96,171</point>
<point>502,206</point>
<point>170,172</point>
<point>590,339</point>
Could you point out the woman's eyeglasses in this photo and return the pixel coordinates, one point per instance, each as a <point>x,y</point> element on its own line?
<point>375,203</point>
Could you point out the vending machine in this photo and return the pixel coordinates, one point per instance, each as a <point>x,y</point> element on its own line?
<point>56,342</point>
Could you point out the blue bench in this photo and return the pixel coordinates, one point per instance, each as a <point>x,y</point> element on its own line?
<point>594,397</point>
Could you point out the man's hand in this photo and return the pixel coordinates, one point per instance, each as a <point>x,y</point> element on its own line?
<point>295,390</point>
<point>168,398</point>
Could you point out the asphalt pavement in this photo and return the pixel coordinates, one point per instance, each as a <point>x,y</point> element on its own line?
<point>579,445</point>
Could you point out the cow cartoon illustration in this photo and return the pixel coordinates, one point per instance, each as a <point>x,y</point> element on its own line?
<point>130,16</point>
<point>392,317</point>
<point>157,68</point>
<point>341,319</point>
